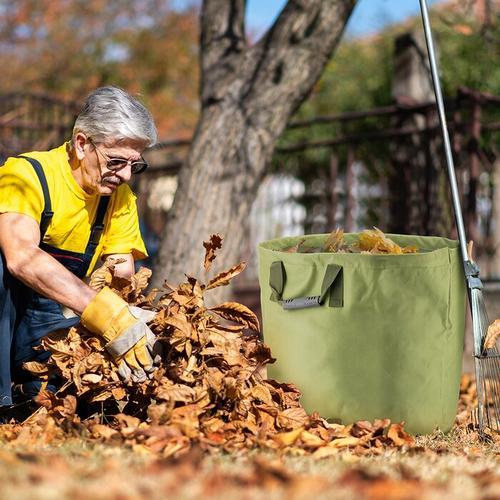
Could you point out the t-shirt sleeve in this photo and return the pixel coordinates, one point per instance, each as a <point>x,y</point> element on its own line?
<point>123,234</point>
<point>20,189</point>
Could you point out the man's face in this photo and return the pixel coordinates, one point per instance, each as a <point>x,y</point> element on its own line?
<point>106,165</point>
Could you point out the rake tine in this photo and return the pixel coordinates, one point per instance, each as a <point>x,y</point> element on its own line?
<point>493,376</point>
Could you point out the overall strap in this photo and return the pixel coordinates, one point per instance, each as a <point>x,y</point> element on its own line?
<point>47,209</point>
<point>95,232</point>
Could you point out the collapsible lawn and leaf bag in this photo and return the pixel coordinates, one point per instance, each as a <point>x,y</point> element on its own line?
<point>367,336</point>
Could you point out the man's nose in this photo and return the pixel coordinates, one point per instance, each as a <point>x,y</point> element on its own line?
<point>125,173</point>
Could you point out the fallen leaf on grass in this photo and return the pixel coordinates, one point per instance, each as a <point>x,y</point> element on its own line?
<point>288,438</point>
<point>399,436</point>
<point>344,442</point>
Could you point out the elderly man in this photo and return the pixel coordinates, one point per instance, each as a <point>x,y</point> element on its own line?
<point>60,212</point>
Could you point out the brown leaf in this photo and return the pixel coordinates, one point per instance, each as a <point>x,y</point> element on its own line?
<point>237,313</point>
<point>127,421</point>
<point>186,418</point>
<point>258,351</point>
<point>214,378</point>
<point>262,393</point>
<point>344,442</point>
<point>159,414</point>
<point>288,438</point>
<point>100,278</point>
<point>103,431</point>
<point>176,392</point>
<point>100,396</point>
<point>68,407</point>
<point>140,279</point>
<point>223,279</point>
<point>410,249</point>
<point>46,399</point>
<point>118,393</point>
<point>37,368</point>
<point>211,246</point>
<point>375,241</point>
<point>181,323</point>
<point>93,378</point>
<point>311,440</point>
<point>334,241</point>
<point>292,418</point>
<point>492,334</point>
<point>399,437</point>
<point>294,248</point>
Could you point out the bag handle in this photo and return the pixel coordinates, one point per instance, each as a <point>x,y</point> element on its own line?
<point>333,282</point>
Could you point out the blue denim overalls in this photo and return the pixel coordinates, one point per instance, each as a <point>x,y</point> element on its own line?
<point>26,316</point>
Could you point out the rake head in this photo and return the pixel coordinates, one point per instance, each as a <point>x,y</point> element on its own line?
<point>487,367</point>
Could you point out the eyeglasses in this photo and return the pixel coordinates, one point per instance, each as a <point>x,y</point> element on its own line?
<point>115,164</point>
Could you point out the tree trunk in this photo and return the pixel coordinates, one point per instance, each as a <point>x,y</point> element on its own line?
<point>247,97</point>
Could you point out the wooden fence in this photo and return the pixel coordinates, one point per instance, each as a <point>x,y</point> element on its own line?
<point>382,166</point>
<point>33,121</point>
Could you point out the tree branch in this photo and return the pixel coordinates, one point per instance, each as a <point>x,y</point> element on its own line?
<point>299,43</point>
<point>222,40</point>
<point>290,58</point>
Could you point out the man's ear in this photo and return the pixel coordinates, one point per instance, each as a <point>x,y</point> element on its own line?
<point>79,141</point>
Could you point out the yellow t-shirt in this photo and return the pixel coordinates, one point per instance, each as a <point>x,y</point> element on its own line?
<point>74,210</point>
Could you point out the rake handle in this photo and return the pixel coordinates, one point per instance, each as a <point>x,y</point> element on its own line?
<point>444,129</point>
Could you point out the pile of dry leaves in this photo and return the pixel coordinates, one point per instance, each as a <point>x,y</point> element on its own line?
<point>372,241</point>
<point>208,392</point>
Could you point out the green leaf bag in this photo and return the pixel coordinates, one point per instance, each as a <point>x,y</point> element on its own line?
<point>367,336</point>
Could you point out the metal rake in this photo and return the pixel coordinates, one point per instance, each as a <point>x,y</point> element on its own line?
<point>486,361</point>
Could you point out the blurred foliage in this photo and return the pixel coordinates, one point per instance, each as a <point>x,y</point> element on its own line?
<point>69,47</point>
<point>359,77</point>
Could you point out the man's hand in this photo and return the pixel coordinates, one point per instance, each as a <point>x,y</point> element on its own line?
<point>129,339</point>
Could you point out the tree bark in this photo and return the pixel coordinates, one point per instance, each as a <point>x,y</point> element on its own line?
<point>248,94</point>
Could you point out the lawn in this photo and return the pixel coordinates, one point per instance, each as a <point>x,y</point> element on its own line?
<point>457,465</point>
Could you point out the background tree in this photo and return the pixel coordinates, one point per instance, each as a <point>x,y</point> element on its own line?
<point>248,93</point>
<point>249,90</point>
<point>359,77</point>
<point>68,48</point>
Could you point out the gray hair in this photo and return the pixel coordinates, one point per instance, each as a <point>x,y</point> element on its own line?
<point>109,113</point>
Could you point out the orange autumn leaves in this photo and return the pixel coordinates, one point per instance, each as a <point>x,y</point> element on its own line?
<point>376,242</point>
<point>208,391</point>
<point>371,241</point>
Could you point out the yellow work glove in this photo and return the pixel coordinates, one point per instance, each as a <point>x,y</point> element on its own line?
<point>129,340</point>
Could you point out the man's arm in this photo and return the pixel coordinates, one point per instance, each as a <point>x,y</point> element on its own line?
<point>19,239</point>
<point>129,340</point>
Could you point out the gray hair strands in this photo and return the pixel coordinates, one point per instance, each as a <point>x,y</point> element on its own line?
<point>109,113</point>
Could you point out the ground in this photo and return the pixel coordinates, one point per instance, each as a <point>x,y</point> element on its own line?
<point>216,427</point>
<point>451,466</point>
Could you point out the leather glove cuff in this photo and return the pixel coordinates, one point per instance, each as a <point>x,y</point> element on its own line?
<point>102,311</point>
